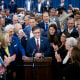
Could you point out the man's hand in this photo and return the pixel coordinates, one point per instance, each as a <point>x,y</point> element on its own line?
<point>25,57</point>
<point>37,55</point>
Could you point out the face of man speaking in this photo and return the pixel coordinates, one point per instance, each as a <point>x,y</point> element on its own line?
<point>37,33</point>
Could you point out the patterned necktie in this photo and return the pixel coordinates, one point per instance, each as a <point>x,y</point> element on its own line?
<point>46,27</point>
<point>38,45</point>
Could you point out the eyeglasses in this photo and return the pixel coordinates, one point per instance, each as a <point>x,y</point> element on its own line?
<point>36,32</point>
<point>70,23</point>
<point>15,20</point>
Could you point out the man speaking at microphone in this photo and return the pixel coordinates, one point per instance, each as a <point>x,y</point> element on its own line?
<point>38,43</point>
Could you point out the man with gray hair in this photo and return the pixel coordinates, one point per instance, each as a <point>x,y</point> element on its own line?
<point>71,27</point>
<point>26,21</point>
<point>54,18</point>
<point>38,17</point>
<point>15,19</point>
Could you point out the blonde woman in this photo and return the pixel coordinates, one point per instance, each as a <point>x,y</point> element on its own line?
<point>9,55</point>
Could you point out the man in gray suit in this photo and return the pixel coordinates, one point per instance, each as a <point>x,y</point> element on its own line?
<point>54,18</point>
<point>29,5</point>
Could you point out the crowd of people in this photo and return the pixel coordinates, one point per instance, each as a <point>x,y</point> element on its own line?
<point>50,32</point>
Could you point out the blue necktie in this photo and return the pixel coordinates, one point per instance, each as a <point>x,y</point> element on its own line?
<point>46,27</point>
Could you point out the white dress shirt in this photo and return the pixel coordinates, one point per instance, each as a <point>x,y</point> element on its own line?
<point>47,2</point>
<point>2,7</point>
<point>31,34</point>
<point>28,5</point>
<point>70,30</point>
<point>39,7</point>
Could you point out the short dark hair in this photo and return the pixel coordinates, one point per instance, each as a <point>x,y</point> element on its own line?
<point>7,10</point>
<point>77,12</point>
<point>35,28</point>
<point>46,12</point>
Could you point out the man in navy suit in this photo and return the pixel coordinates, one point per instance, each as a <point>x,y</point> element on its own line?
<point>28,29</point>
<point>54,18</point>
<point>29,5</point>
<point>8,17</point>
<point>44,24</point>
<point>39,7</point>
<point>12,6</point>
<point>47,4</point>
<point>3,6</point>
<point>71,28</point>
<point>38,43</point>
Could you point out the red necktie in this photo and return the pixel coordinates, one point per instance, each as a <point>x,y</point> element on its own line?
<point>38,45</point>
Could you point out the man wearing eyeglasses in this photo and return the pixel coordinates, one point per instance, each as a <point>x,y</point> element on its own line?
<point>71,28</point>
<point>38,43</point>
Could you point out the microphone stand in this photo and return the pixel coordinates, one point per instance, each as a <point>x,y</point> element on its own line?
<point>33,66</point>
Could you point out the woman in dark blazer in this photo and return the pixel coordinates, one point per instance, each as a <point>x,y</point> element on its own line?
<point>72,70</point>
<point>62,49</point>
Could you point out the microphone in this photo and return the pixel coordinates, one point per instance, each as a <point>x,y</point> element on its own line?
<point>33,52</point>
<point>33,57</point>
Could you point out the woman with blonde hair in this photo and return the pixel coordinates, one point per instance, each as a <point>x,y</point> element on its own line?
<point>7,50</point>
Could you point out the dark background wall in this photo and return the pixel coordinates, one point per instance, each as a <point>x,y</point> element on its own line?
<point>75,3</point>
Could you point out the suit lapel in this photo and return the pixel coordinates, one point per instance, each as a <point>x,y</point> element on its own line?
<point>34,43</point>
<point>44,25</point>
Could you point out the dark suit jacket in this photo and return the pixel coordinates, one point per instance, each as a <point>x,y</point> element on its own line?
<point>73,33</point>
<point>45,4</point>
<point>70,71</point>
<point>8,20</point>
<point>31,6</point>
<point>27,31</point>
<point>44,46</point>
<point>13,8</point>
<point>42,26</point>
<point>50,2</point>
<point>5,6</point>
<point>41,9</point>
